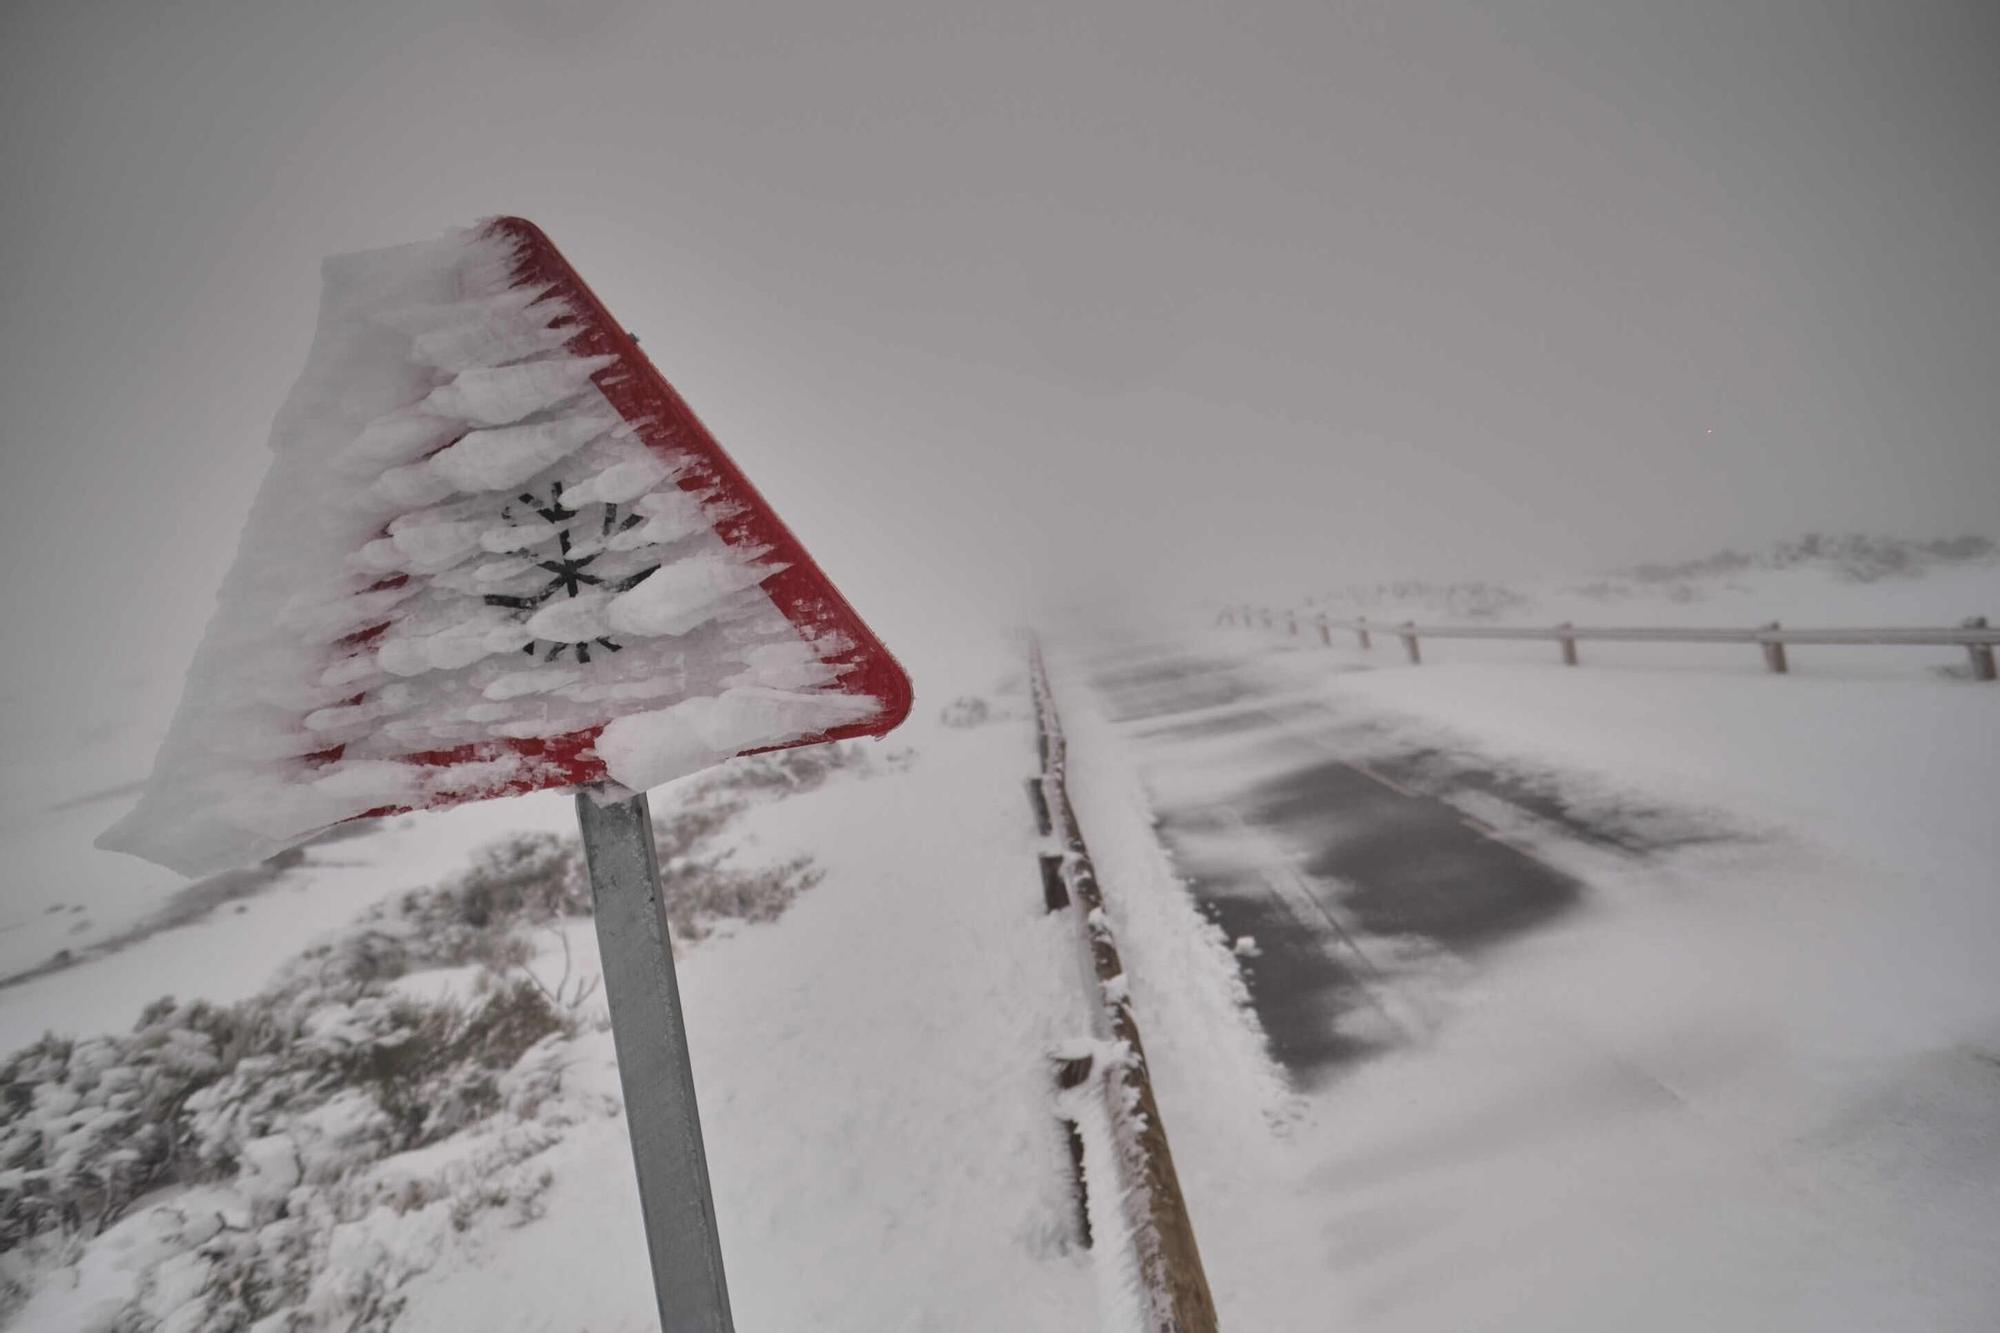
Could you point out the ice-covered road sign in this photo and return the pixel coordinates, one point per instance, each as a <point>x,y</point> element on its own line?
<point>495,552</point>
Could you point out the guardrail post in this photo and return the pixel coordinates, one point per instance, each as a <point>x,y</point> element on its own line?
<point>1568,644</point>
<point>1774,653</point>
<point>1361,629</point>
<point>1409,637</point>
<point>1325,633</point>
<point>1981,653</point>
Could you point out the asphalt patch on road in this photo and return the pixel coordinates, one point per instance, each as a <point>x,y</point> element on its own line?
<point>1376,841</point>
<point>1401,863</point>
<point>1228,722</point>
<point>1628,828</point>
<point>1299,986</point>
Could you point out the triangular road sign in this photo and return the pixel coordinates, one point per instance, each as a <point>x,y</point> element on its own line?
<point>496,552</point>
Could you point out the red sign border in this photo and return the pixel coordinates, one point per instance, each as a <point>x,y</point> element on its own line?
<point>662,420</point>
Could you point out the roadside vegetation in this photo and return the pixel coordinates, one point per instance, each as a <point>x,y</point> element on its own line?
<point>286,1162</point>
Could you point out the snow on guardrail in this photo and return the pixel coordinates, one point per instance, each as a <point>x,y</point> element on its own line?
<point>1135,1209</point>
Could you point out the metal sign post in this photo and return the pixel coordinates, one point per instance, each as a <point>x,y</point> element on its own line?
<point>650,1033</point>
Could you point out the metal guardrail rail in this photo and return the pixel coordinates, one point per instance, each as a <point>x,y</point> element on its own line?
<point>1173,1288</point>
<point>1974,635</point>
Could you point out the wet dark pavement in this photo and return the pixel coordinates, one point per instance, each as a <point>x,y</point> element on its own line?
<point>1323,844</point>
<point>1410,864</point>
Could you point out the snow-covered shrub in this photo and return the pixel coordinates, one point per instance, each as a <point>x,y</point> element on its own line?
<point>285,1102</point>
<point>88,1127</point>
<point>1954,550</point>
<point>703,886</point>
<point>532,878</point>
<point>968,710</point>
<point>1476,600</point>
<point>1710,566</point>
<point>778,772</point>
<point>477,917</point>
<point>282,1102</point>
<point>703,894</point>
<point>289,1161</point>
<point>1856,557</point>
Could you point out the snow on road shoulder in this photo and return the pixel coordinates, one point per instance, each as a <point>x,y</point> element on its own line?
<point>874,1083</point>
<point>873,1066</point>
<point>1224,1102</point>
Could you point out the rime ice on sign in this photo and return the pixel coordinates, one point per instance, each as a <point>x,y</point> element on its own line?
<point>469,572</point>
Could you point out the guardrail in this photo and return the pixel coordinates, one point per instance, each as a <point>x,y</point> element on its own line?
<point>1974,635</point>
<point>1137,1189</point>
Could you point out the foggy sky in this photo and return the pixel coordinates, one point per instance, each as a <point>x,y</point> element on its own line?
<point>995,300</point>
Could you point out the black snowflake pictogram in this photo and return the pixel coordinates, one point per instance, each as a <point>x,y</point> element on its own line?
<point>570,572</point>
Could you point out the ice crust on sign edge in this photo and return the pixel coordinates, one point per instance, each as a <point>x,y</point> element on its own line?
<point>449,488</point>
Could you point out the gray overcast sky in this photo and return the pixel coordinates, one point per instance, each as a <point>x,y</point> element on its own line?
<point>990,298</point>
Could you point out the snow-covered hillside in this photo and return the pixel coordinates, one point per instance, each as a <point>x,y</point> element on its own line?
<point>1811,580</point>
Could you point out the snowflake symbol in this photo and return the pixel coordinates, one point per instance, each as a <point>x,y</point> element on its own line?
<point>570,571</point>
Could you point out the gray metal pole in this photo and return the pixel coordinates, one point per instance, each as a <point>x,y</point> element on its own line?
<point>650,1033</point>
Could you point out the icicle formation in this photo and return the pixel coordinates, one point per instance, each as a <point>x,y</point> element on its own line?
<point>462,565</point>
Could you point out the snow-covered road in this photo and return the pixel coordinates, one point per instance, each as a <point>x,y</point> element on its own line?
<point>1314,850</point>
<point>1562,1050</point>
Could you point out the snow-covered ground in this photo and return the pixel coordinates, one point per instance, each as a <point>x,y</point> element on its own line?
<point>1753,1081</point>
<point>1750,1083</point>
<point>63,895</point>
<point>873,1066</point>
<point>874,1087</point>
